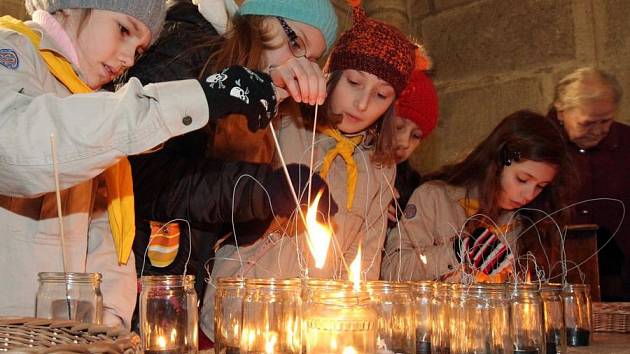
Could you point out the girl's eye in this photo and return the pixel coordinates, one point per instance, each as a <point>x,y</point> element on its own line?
<point>416,136</point>
<point>123,29</point>
<point>352,82</point>
<point>521,180</point>
<point>381,96</point>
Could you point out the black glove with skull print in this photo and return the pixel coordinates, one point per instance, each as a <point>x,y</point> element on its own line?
<point>240,90</point>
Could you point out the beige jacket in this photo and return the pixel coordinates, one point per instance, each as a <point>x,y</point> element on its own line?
<point>283,255</point>
<point>92,132</point>
<point>420,247</point>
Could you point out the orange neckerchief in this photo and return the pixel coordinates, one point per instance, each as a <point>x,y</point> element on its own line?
<point>344,147</point>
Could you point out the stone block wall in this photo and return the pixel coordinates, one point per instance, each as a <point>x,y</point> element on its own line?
<point>492,57</point>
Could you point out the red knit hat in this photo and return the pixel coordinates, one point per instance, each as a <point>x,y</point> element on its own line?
<point>419,102</point>
<point>374,47</point>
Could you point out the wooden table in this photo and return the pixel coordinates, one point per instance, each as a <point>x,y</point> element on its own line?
<point>603,343</point>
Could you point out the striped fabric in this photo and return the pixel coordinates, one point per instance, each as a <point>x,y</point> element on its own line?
<point>163,244</point>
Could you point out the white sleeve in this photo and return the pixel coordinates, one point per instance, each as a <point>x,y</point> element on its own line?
<point>92,131</point>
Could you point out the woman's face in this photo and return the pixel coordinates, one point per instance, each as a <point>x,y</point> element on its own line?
<point>522,182</point>
<point>361,99</point>
<point>106,43</point>
<point>407,139</point>
<point>308,42</point>
<point>589,123</point>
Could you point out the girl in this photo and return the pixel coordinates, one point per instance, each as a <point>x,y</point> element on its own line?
<point>48,70</point>
<point>283,37</point>
<point>369,67</point>
<point>416,117</point>
<point>523,163</point>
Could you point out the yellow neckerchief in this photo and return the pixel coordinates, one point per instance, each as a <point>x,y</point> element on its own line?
<point>471,207</point>
<point>345,147</point>
<point>118,180</point>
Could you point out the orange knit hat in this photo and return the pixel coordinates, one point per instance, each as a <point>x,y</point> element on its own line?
<point>374,47</point>
<point>419,102</point>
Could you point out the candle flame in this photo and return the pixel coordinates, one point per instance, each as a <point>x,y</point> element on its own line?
<point>528,277</point>
<point>423,258</point>
<point>270,343</point>
<point>355,270</point>
<point>349,350</point>
<point>318,236</point>
<point>161,341</point>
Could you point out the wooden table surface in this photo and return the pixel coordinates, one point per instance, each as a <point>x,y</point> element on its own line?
<point>603,343</point>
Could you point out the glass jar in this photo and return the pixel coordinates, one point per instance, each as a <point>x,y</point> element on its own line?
<point>70,296</point>
<point>527,325</point>
<point>228,315</point>
<point>338,319</point>
<point>577,314</point>
<point>473,307</point>
<point>168,314</point>
<point>422,297</point>
<point>440,307</point>
<point>555,335</point>
<point>272,317</point>
<point>396,329</point>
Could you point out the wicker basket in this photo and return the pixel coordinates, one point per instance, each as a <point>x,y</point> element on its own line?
<point>31,335</point>
<point>611,317</point>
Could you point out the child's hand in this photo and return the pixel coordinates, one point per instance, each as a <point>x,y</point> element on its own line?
<point>240,90</point>
<point>392,210</point>
<point>302,78</point>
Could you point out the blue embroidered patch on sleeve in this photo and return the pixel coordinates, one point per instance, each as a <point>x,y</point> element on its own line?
<point>9,59</point>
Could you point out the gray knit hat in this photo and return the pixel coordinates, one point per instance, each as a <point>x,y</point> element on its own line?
<point>149,12</point>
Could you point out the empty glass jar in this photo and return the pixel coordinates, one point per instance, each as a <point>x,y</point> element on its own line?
<point>168,314</point>
<point>70,296</point>
<point>228,315</point>
<point>555,335</point>
<point>396,329</point>
<point>272,318</point>
<point>440,308</point>
<point>527,325</point>
<point>577,314</point>
<point>422,296</point>
<point>479,319</point>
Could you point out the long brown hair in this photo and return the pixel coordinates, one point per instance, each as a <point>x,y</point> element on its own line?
<point>243,44</point>
<point>522,135</point>
<point>380,135</point>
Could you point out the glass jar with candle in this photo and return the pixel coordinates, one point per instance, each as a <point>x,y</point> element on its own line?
<point>422,297</point>
<point>577,314</point>
<point>73,296</point>
<point>555,335</point>
<point>338,319</point>
<point>440,306</point>
<point>473,308</point>
<point>168,314</point>
<point>527,326</point>
<point>396,329</point>
<point>272,318</point>
<point>228,315</point>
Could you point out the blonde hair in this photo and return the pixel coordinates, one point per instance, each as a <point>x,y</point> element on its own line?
<point>584,85</point>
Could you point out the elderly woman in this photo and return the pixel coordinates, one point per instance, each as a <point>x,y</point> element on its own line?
<point>585,105</point>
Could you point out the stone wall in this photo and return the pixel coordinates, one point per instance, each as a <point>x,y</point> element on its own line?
<point>492,57</point>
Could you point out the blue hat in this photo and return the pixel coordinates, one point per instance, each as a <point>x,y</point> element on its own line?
<point>317,13</point>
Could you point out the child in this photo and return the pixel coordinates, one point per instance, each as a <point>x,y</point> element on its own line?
<point>523,163</point>
<point>416,117</point>
<point>286,35</point>
<point>48,70</point>
<point>369,67</point>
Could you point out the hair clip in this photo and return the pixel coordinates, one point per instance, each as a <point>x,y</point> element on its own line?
<point>509,157</point>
